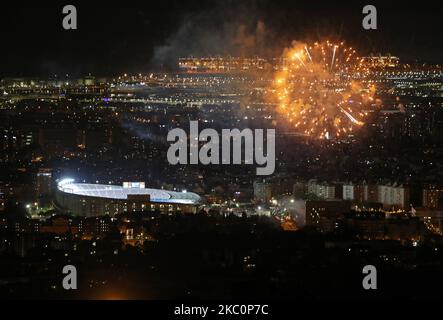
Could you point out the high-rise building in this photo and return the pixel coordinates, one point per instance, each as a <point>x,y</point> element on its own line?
<point>321,190</point>
<point>348,192</point>
<point>432,197</point>
<point>394,195</point>
<point>262,191</point>
<point>44,182</point>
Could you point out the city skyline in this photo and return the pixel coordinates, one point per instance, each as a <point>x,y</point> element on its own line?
<point>221,150</point>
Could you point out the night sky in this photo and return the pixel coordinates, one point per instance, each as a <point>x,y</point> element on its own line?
<point>139,36</point>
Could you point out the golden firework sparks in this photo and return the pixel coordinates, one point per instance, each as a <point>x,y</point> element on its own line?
<point>318,89</point>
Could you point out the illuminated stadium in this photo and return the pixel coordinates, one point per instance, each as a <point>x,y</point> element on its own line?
<point>84,199</point>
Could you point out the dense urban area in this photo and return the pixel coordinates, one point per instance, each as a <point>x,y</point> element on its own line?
<point>85,181</point>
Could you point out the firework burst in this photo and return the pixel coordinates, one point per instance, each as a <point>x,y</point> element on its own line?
<point>318,90</point>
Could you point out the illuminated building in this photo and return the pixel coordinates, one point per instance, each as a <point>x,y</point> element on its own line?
<point>221,64</point>
<point>321,190</point>
<point>376,225</point>
<point>348,192</point>
<point>387,195</point>
<point>58,225</point>
<point>262,191</point>
<point>380,61</point>
<point>44,182</point>
<point>85,199</point>
<point>356,193</point>
<point>323,215</point>
<point>394,195</point>
<point>432,197</point>
<point>89,81</point>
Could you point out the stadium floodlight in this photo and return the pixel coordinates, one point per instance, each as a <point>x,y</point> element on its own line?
<point>65,181</point>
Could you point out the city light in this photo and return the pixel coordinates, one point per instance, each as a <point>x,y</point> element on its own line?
<point>231,150</point>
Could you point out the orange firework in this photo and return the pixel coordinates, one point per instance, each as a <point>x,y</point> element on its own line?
<point>319,91</point>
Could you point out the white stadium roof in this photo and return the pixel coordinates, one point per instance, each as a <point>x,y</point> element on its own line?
<point>119,192</point>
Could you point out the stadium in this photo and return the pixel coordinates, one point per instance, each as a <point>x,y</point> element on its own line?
<point>84,199</point>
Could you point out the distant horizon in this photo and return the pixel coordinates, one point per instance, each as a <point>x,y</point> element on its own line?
<point>177,70</point>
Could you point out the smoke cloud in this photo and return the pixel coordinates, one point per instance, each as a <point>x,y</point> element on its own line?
<point>234,30</point>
